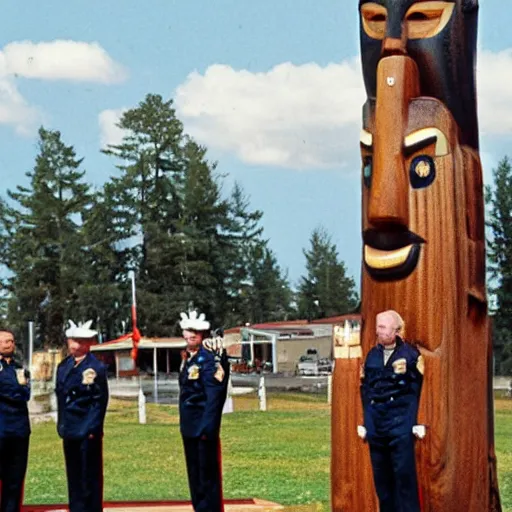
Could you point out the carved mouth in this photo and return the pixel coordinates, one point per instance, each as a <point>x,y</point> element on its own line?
<point>391,255</point>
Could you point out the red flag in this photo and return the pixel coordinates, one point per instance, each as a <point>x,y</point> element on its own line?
<point>135,338</point>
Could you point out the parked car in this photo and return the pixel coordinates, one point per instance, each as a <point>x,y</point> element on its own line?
<point>312,364</point>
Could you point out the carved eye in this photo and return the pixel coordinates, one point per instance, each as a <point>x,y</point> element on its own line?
<point>417,16</point>
<point>422,171</point>
<point>427,19</point>
<point>374,18</point>
<point>367,170</point>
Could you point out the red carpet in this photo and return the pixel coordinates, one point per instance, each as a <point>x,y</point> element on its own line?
<point>247,505</point>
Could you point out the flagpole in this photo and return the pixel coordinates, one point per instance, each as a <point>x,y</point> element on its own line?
<point>134,301</point>
<point>135,331</point>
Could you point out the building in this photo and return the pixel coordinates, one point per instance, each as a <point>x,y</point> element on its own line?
<point>278,346</point>
<point>156,355</point>
<point>274,347</point>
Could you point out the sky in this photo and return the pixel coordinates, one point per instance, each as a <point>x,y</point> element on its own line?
<point>273,89</point>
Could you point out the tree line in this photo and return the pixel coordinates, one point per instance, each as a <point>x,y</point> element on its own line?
<point>69,248</point>
<point>499,263</point>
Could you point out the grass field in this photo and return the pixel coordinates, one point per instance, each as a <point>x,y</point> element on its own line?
<point>281,455</point>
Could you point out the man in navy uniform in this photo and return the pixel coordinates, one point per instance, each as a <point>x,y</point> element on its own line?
<point>390,389</point>
<point>203,388</point>
<point>82,397</point>
<point>14,425</point>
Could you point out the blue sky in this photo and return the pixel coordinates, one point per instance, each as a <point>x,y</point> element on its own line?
<point>273,88</point>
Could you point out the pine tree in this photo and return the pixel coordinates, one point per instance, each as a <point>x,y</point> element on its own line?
<point>104,294</point>
<point>326,290</point>
<point>499,201</point>
<point>195,248</point>
<point>172,198</point>
<point>270,295</point>
<point>258,289</point>
<point>43,245</point>
<point>243,238</point>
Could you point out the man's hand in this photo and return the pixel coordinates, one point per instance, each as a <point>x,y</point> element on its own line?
<point>361,432</point>
<point>419,431</point>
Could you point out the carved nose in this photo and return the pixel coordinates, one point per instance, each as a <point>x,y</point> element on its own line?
<point>397,84</point>
<point>393,46</point>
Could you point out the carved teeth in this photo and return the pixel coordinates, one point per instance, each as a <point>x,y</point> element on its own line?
<point>378,259</point>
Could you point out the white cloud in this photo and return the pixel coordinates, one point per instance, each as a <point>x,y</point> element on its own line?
<point>55,60</point>
<point>494,76</point>
<point>15,111</point>
<point>293,116</point>
<point>110,133</point>
<point>308,116</point>
<point>61,60</point>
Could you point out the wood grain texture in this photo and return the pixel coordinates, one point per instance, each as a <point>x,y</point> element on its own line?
<point>442,301</point>
<point>351,473</point>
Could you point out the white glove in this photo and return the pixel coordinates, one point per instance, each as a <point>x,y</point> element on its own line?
<point>419,431</point>
<point>215,345</point>
<point>361,432</point>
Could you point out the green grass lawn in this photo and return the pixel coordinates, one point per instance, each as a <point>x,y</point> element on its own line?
<point>281,455</point>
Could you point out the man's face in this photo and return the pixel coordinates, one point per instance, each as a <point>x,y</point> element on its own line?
<point>6,344</point>
<point>79,347</point>
<point>386,329</point>
<point>193,339</point>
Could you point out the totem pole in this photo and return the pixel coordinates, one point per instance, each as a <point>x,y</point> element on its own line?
<point>423,253</point>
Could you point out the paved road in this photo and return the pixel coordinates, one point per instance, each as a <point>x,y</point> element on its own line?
<point>281,383</point>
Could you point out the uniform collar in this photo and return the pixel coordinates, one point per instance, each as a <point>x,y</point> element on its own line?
<point>398,342</point>
<point>193,353</point>
<point>78,360</point>
<point>74,362</point>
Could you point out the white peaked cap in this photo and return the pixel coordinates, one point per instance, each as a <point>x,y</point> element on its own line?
<point>194,322</point>
<point>81,331</point>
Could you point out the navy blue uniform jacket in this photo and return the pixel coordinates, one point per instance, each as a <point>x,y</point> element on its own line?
<point>82,397</point>
<point>14,396</point>
<point>202,395</point>
<point>390,398</point>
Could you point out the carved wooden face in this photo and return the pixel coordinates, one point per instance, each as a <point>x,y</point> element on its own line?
<point>440,36</point>
<point>419,175</point>
<point>423,251</point>
<point>417,179</point>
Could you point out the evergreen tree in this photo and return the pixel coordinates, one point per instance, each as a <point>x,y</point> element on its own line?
<point>270,295</point>
<point>258,289</point>
<point>196,249</point>
<point>326,290</point>
<point>42,242</point>
<point>499,202</point>
<point>244,237</point>
<point>104,294</point>
<point>172,198</point>
<point>4,236</point>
